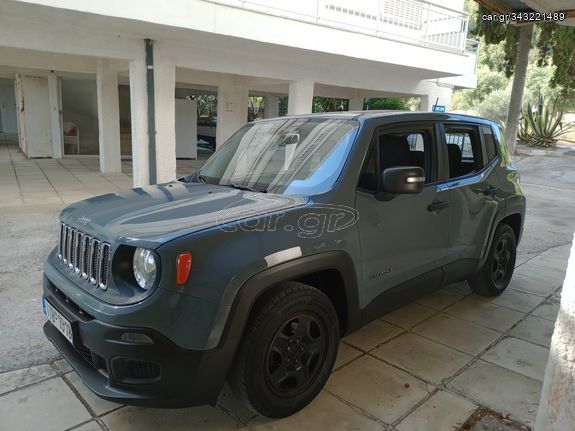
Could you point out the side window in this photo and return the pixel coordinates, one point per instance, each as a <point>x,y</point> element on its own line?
<point>398,146</point>
<point>463,150</point>
<point>489,140</point>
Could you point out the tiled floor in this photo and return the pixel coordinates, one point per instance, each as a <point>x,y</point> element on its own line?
<point>28,182</point>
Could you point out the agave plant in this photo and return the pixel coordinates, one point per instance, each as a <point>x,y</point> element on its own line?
<point>545,125</point>
<point>524,134</point>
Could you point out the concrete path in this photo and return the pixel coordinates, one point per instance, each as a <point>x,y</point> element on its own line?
<point>426,366</point>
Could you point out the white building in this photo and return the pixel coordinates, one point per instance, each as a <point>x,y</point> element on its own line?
<point>108,72</point>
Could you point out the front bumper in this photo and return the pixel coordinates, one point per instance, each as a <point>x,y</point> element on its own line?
<point>160,374</point>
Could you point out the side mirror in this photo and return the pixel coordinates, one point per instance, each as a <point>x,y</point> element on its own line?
<point>402,180</point>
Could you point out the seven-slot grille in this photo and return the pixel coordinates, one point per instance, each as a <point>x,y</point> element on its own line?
<point>84,255</point>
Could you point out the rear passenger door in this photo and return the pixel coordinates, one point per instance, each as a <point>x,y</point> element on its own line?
<point>475,194</point>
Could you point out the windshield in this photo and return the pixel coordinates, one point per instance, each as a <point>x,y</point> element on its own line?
<point>290,156</point>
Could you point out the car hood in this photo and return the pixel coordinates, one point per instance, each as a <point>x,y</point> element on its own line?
<point>152,215</point>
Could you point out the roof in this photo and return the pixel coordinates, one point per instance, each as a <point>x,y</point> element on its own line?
<point>365,115</point>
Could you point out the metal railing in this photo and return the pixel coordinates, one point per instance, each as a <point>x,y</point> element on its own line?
<point>415,21</point>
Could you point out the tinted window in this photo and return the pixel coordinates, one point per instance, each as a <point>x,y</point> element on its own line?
<point>489,140</point>
<point>463,149</point>
<point>402,146</point>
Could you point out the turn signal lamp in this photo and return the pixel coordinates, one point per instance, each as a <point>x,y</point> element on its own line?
<point>184,266</point>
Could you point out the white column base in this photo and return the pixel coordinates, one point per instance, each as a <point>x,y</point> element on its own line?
<point>300,98</point>
<point>271,106</point>
<point>108,118</point>
<point>139,115</point>
<point>232,109</point>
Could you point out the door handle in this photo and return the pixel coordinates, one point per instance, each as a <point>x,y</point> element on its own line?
<point>438,205</point>
<point>489,191</point>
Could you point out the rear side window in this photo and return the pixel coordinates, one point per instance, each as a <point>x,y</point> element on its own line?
<point>489,141</point>
<point>463,149</point>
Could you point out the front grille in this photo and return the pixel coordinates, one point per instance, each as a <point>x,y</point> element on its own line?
<point>84,255</point>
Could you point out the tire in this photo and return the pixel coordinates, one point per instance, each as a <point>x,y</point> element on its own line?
<point>282,365</point>
<point>497,270</point>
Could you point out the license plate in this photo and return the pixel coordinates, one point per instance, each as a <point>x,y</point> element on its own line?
<point>58,320</point>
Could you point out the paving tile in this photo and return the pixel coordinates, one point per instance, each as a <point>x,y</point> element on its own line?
<point>97,404</point>
<point>535,329</point>
<point>141,419</point>
<point>345,354</point>
<point>484,313</point>
<point>443,411</point>
<point>372,335</point>
<point>62,366</point>
<point>459,334</point>
<point>324,413</point>
<point>18,378</point>
<point>382,390</point>
<point>422,357</point>
<point>549,309</point>
<point>500,389</point>
<point>514,299</point>
<point>409,315</point>
<point>551,260</point>
<point>90,426</point>
<point>462,288</point>
<point>49,405</point>
<point>531,285</point>
<point>520,356</point>
<point>441,299</point>
<point>541,273</point>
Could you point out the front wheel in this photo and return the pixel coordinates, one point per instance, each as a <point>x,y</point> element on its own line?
<point>288,351</point>
<point>496,273</point>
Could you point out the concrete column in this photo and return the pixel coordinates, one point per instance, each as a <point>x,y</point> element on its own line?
<point>356,102</point>
<point>55,102</point>
<point>108,118</point>
<point>139,119</point>
<point>232,108</point>
<point>556,411</point>
<point>165,99</point>
<point>271,106</point>
<point>300,97</point>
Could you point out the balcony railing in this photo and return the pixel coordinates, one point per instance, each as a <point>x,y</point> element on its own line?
<point>414,21</point>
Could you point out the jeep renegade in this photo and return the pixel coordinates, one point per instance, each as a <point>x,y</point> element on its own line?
<point>295,232</point>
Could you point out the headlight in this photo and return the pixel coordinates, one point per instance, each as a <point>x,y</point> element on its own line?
<point>144,264</point>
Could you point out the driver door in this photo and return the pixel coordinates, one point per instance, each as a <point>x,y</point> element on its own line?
<point>405,238</point>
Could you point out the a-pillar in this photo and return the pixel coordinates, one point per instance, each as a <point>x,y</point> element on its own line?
<point>232,108</point>
<point>356,102</point>
<point>108,118</point>
<point>300,98</point>
<point>271,106</point>
<point>56,128</point>
<point>159,166</point>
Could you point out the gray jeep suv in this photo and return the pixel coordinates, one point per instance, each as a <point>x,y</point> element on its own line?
<point>296,232</point>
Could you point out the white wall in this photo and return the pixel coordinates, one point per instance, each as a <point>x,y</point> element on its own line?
<point>8,120</point>
<point>80,106</point>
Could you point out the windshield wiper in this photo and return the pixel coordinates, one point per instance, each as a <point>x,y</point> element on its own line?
<point>241,187</point>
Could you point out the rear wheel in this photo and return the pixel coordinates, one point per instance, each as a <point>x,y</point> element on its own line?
<point>288,351</point>
<point>497,271</point>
